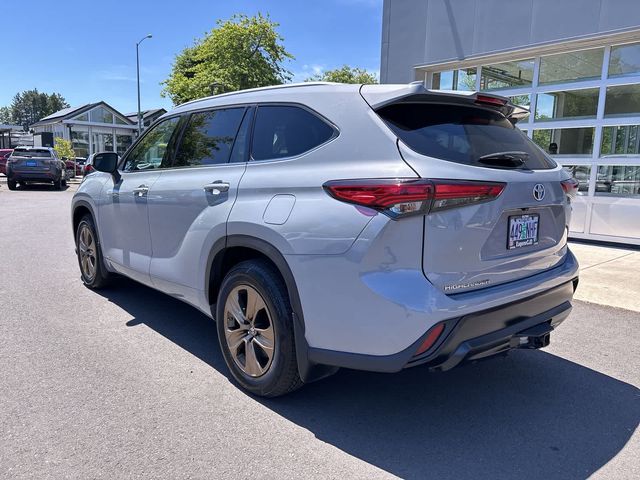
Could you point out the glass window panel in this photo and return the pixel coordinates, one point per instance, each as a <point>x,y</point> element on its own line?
<point>102,142</point>
<point>101,115</point>
<point>285,131</point>
<point>80,142</point>
<point>459,134</point>
<point>123,142</point>
<point>83,118</point>
<point>464,79</point>
<point>521,100</point>
<point>625,60</point>
<point>582,173</point>
<point>208,138</point>
<point>567,104</point>
<point>568,67</point>
<point>119,121</point>
<point>622,100</point>
<point>565,141</point>
<point>620,140</point>
<point>507,75</point>
<point>152,149</point>
<point>618,180</point>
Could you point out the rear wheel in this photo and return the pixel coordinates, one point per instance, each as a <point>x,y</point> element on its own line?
<point>92,269</point>
<point>255,329</point>
<point>12,184</point>
<point>57,184</point>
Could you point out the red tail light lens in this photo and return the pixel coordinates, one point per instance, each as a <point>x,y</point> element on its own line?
<point>489,100</point>
<point>403,197</point>
<point>570,187</point>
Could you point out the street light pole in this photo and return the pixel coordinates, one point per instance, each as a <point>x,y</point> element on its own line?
<point>138,79</point>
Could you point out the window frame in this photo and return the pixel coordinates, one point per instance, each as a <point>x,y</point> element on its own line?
<point>334,127</point>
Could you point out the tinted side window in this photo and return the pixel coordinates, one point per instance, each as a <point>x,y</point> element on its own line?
<point>208,137</point>
<point>152,149</point>
<point>285,131</point>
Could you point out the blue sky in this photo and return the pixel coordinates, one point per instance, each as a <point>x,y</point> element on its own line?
<point>85,50</point>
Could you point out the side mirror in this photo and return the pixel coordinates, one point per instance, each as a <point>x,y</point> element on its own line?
<point>106,162</point>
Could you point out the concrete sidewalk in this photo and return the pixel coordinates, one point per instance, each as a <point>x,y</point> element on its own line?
<point>608,275</point>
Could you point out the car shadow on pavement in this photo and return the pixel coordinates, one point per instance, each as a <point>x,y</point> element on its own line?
<point>532,414</point>
<point>41,187</point>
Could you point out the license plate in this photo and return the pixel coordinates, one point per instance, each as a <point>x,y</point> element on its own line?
<point>523,231</point>
<point>31,163</point>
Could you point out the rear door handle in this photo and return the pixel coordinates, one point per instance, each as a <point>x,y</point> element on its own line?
<point>141,191</point>
<point>217,187</point>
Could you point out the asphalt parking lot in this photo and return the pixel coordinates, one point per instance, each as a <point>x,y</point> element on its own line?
<point>129,383</point>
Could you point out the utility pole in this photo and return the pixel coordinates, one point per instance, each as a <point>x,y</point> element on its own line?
<point>138,78</point>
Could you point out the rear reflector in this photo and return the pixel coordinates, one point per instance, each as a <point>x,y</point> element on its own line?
<point>570,187</point>
<point>431,338</point>
<point>400,197</point>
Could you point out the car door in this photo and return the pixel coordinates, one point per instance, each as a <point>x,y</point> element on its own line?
<point>124,215</point>
<point>189,203</point>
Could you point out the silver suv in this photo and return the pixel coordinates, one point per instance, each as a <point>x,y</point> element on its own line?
<point>374,227</point>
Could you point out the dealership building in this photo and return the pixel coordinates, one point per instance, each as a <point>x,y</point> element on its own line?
<point>91,128</point>
<point>575,64</point>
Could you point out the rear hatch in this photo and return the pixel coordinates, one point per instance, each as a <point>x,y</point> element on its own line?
<point>518,230</point>
<point>31,160</point>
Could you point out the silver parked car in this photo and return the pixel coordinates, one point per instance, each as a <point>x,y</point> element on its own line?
<point>322,225</point>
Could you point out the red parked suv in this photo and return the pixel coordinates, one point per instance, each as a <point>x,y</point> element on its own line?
<point>4,154</point>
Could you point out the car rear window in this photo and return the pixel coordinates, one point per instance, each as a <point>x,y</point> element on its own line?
<point>32,153</point>
<point>284,131</point>
<point>460,134</point>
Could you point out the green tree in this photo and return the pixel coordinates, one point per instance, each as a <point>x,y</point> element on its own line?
<point>30,106</point>
<point>63,148</point>
<point>242,52</point>
<point>345,74</point>
<point>5,115</point>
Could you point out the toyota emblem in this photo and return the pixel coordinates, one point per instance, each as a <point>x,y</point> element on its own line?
<point>538,192</point>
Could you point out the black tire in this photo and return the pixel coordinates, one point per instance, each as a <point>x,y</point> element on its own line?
<point>102,277</point>
<point>57,184</point>
<point>12,184</point>
<point>282,375</point>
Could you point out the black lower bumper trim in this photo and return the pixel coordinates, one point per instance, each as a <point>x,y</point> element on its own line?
<point>524,323</point>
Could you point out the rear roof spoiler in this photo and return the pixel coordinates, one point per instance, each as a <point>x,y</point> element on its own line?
<point>378,96</point>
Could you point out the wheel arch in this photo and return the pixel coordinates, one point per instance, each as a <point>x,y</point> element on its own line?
<point>80,209</point>
<point>233,249</point>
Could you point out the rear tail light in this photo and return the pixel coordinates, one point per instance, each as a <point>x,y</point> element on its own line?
<point>570,187</point>
<point>402,197</point>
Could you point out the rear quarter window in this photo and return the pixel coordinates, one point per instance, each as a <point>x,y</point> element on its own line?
<point>284,131</point>
<point>459,134</point>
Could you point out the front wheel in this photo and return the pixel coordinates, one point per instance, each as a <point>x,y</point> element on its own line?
<point>255,329</point>
<point>12,184</point>
<point>93,272</point>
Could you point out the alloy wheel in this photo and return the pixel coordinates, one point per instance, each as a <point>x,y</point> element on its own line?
<point>249,330</point>
<point>87,252</point>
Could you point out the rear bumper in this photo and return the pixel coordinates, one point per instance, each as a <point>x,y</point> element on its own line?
<point>524,323</point>
<point>41,176</point>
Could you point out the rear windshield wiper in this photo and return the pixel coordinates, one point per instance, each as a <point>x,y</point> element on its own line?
<point>513,159</point>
